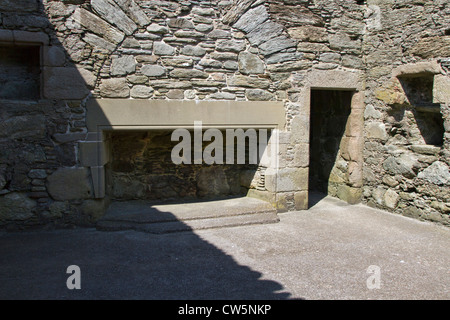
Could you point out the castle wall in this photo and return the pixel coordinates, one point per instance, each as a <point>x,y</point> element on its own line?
<point>232,51</point>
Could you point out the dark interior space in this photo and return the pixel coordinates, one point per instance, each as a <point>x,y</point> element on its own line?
<point>19,72</point>
<point>329,113</point>
<point>419,91</point>
<point>141,167</point>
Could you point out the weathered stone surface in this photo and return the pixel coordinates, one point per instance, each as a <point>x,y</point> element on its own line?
<point>342,42</point>
<point>404,165</point>
<point>290,179</point>
<point>276,44</point>
<point>202,27</point>
<point>152,70</point>
<point>212,181</point>
<point>23,127</point>
<point>89,77</point>
<point>133,11</point>
<point>283,57</point>
<point>196,51</point>
<point>252,18</point>
<point>210,63</point>
<point>441,89</point>
<point>69,184</point>
<point>432,47</point>
<point>312,47</point>
<point>250,63</point>
<point>188,73</point>
<point>111,12</point>
<point>19,5</point>
<point>98,42</point>
<point>371,113</point>
<point>188,34</point>
<point>37,174</point>
<point>156,28</point>
<point>222,96</point>
<point>94,209</point>
<point>58,209</point>
<point>258,95</point>
<point>98,26</point>
<point>16,206</point>
<point>309,34</point>
<point>438,173</point>
<point>224,56</point>
<point>163,49</point>
<point>124,65</point>
<point>294,15</point>
<point>236,10</point>
<point>289,66</point>
<point>376,130</point>
<point>219,34</point>
<point>54,56</point>
<point>178,62</point>
<point>114,88</point>
<point>248,82</point>
<point>181,23</point>
<point>264,32</point>
<point>142,92</point>
<point>230,45</point>
<point>175,94</point>
<point>204,11</point>
<point>64,83</point>
<point>391,199</point>
<point>349,194</point>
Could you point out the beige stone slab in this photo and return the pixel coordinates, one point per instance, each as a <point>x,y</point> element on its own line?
<point>129,113</point>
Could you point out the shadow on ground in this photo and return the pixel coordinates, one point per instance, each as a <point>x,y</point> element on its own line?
<point>125,265</point>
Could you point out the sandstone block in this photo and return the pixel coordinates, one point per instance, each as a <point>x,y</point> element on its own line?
<point>70,184</point>
<point>141,92</point>
<point>114,88</point>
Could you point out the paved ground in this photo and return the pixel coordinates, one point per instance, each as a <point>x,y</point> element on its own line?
<point>322,253</point>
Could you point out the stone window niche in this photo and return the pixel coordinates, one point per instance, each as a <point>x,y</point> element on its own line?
<point>141,168</point>
<point>427,117</point>
<point>20,72</point>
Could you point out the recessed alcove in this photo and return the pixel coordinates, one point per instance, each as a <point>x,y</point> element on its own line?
<point>427,117</point>
<point>20,72</point>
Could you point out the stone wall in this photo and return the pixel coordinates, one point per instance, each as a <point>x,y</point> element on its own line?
<point>407,116</point>
<point>240,50</point>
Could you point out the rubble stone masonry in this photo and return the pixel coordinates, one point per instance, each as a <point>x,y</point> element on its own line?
<point>393,55</point>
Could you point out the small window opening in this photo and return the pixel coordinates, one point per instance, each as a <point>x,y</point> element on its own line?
<point>428,117</point>
<point>20,72</point>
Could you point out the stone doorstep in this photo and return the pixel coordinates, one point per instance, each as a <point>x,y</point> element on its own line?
<point>188,225</point>
<point>139,215</point>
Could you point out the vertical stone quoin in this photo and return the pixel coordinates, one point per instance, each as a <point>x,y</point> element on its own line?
<point>388,63</point>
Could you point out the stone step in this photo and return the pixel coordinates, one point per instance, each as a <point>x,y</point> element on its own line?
<point>144,216</point>
<point>189,225</point>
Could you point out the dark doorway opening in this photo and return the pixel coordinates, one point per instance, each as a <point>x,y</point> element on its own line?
<point>330,110</point>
